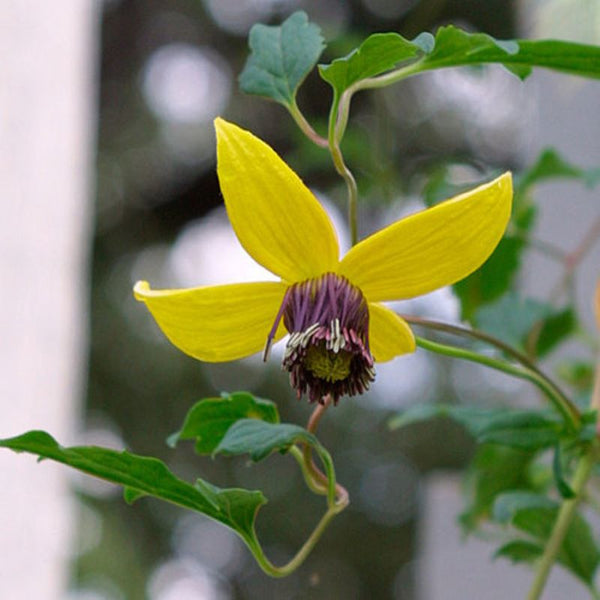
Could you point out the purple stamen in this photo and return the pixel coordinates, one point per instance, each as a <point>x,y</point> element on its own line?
<point>328,351</point>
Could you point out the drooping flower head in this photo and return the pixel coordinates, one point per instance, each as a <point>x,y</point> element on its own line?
<point>330,307</point>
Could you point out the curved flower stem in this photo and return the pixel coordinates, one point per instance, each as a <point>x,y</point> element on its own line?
<point>269,568</point>
<point>370,83</point>
<point>568,411</point>
<point>305,126</point>
<point>319,479</point>
<point>309,472</point>
<point>504,347</point>
<point>563,522</point>
<point>318,482</point>
<point>334,139</point>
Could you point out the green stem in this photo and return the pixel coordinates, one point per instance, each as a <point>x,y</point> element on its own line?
<point>305,126</point>
<point>269,568</point>
<point>318,482</point>
<point>563,522</point>
<point>313,485</point>
<point>504,347</point>
<point>336,114</point>
<point>370,83</point>
<point>572,418</point>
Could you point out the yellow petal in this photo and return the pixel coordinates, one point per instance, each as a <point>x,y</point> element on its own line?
<point>433,248</point>
<point>216,323</point>
<point>389,335</point>
<point>276,217</point>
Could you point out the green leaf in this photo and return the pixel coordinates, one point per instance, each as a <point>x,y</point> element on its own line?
<point>549,165</point>
<point>454,47</point>
<point>511,318</point>
<point>528,430</point>
<point>524,429</point>
<point>491,280</point>
<point>493,471</point>
<point>145,476</point>
<point>564,489</point>
<point>510,504</point>
<point>473,418</point>
<point>379,53</point>
<point>259,439</point>
<point>577,372</point>
<point>281,57</point>
<point>555,329</point>
<point>519,551</point>
<point>536,515</point>
<point>209,419</point>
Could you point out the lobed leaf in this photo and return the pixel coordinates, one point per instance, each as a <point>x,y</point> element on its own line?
<point>209,419</point>
<point>281,57</point>
<point>145,476</point>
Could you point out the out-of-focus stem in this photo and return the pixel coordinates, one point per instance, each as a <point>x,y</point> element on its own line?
<point>563,522</point>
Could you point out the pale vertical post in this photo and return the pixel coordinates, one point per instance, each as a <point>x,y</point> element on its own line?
<point>47,127</point>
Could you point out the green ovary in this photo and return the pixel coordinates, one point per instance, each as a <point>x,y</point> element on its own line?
<point>326,364</point>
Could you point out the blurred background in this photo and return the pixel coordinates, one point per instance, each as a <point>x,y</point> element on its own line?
<point>108,176</point>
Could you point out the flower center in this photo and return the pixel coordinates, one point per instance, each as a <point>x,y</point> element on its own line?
<point>327,352</point>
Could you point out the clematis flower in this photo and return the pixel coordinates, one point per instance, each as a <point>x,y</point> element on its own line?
<point>330,307</point>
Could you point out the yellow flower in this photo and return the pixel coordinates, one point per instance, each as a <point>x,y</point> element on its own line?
<point>331,307</point>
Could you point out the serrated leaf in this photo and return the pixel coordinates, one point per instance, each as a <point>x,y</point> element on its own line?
<point>259,439</point>
<point>536,515</point>
<point>281,57</point>
<point>379,53</point>
<point>209,419</point>
<point>141,475</point>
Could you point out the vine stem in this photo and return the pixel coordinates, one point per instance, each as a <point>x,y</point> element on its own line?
<point>339,113</point>
<point>563,522</point>
<point>269,568</point>
<point>572,418</point>
<point>318,482</point>
<point>503,346</point>
<point>305,126</point>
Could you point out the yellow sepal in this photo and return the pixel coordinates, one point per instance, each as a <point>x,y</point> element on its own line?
<point>216,323</point>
